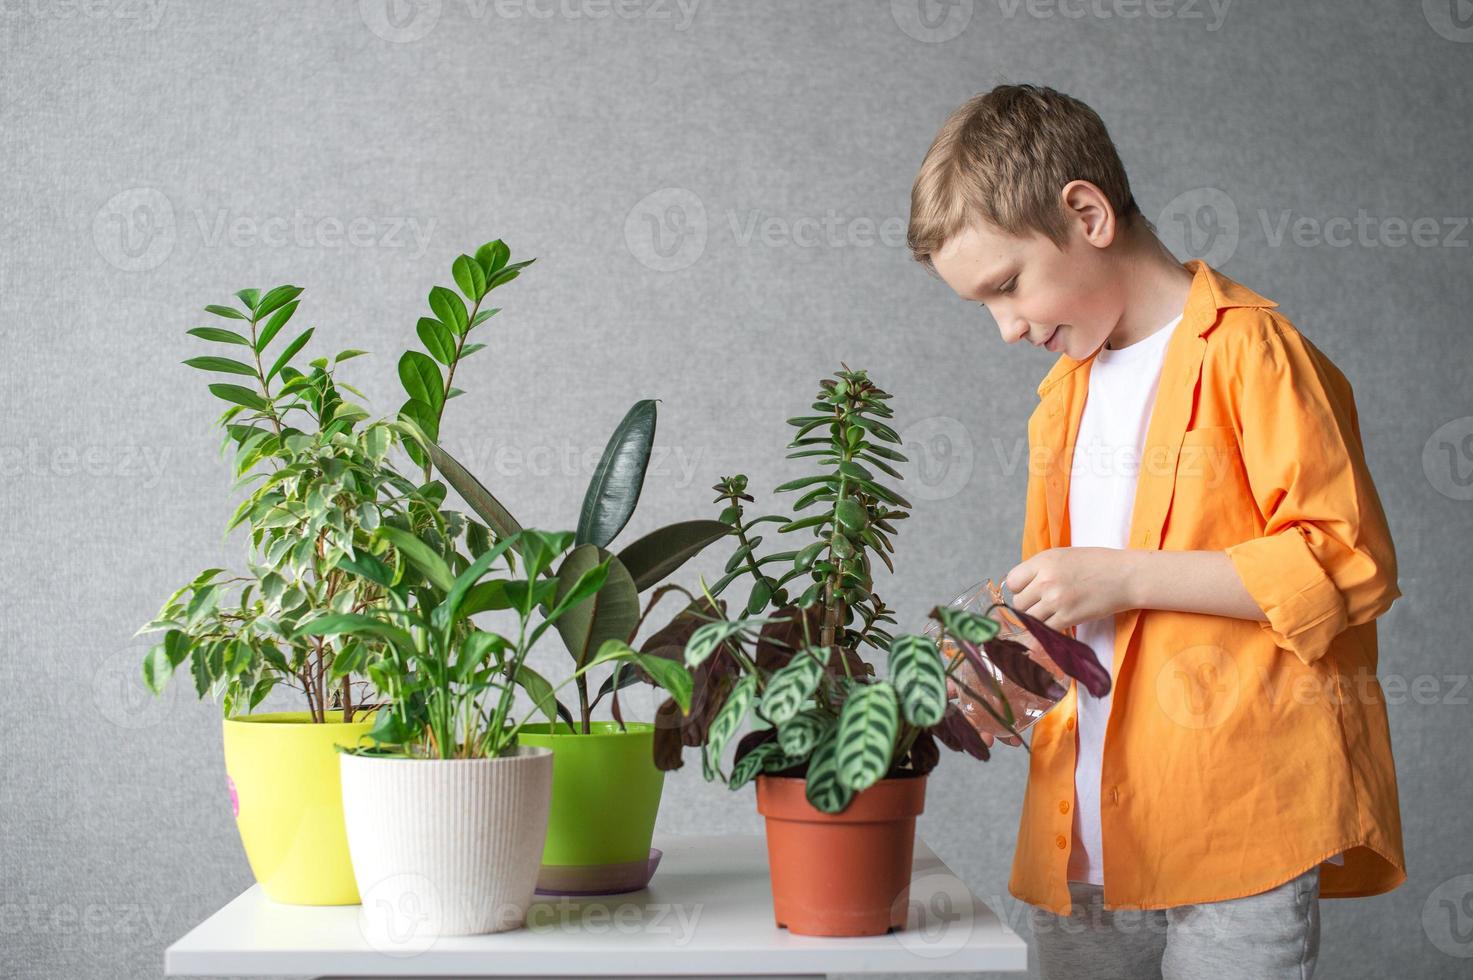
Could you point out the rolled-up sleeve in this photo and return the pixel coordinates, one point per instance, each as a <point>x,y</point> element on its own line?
<point>1325,560</point>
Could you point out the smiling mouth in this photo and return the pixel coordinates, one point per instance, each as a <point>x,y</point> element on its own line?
<point>1049,339</point>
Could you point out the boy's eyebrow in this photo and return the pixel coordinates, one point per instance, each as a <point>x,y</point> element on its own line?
<point>988,284</point>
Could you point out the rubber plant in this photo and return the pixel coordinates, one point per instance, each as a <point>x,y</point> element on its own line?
<point>323,485</point>
<point>796,669</point>
<point>614,613</point>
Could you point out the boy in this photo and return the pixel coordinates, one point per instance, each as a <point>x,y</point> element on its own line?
<point>1199,511</point>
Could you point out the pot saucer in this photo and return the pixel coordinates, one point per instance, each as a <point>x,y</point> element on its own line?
<point>573,880</point>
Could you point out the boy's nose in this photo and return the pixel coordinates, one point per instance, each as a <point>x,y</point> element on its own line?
<point>1014,331</point>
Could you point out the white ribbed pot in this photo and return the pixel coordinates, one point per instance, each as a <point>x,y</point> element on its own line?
<point>457,843</point>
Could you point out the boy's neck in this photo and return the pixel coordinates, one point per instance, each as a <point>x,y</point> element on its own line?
<point>1156,289</point>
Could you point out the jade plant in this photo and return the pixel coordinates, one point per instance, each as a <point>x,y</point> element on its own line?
<point>795,668</point>
<point>322,486</point>
<point>614,613</point>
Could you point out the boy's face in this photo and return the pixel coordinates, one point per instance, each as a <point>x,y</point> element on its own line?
<point>1059,298</point>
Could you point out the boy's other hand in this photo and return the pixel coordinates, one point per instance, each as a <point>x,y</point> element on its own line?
<point>1063,587</point>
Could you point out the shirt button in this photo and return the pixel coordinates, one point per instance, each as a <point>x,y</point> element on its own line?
<point>1069,724</point>
<point>1063,806</point>
<point>1114,794</point>
<point>1061,841</point>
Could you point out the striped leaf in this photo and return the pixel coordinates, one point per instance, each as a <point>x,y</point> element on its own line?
<point>802,732</point>
<point>973,627</point>
<point>754,762</point>
<point>731,715</point>
<point>919,678</point>
<point>866,735</point>
<point>792,685</point>
<point>823,787</point>
<point>704,641</point>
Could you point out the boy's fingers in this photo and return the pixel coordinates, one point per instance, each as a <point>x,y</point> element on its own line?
<point>1019,576</point>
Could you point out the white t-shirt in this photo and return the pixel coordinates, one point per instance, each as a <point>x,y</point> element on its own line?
<point>1107,454</point>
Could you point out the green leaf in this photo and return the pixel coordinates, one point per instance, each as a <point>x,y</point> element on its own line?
<point>422,380</point>
<point>437,339</point>
<point>470,277</point>
<point>157,669</point>
<point>223,365</point>
<point>240,396</point>
<point>475,495</point>
<point>250,297</point>
<point>348,355</point>
<point>273,326</point>
<point>661,552</point>
<point>750,765</point>
<point>492,257</point>
<point>610,614</point>
<point>614,490</point>
<point>351,624</point>
<point>276,298</point>
<point>759,597</point>
<point>850,514</point>
<point>866,735</point>
<point>805,558</point>
<point>219,335</point>
<point>289,352</point>
<point>449,309</point>
<point>228,312</point>
<point>419,554</point>
<point>707,637</point>
<point>804,731</point>
<point>731,715</point>
<point>919,677</point>
<point>823,788</point>
<point>668,674</point>
<point>973,627</point>
<point>539,690</point>
<point>790,686</point>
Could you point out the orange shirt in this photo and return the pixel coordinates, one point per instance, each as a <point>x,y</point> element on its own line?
<point>1238,754</point>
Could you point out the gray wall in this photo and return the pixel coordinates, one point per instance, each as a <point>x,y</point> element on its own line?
<point>159,157</point>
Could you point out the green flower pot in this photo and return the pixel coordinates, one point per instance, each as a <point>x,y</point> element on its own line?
<point>605,794</point>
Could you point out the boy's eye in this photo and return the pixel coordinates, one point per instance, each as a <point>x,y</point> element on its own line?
<point>1008,286</point>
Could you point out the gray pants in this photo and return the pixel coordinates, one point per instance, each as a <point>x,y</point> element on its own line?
<point>1274,935</point>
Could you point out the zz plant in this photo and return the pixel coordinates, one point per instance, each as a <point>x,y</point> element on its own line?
<point>614,614</point>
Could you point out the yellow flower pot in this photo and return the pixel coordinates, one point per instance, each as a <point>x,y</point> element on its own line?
<point>285,790</point>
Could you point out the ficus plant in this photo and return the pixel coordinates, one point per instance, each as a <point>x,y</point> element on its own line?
<point>795,669</point>
<point>614,613</point>
<point>451,686</point>
<point>321,485</point>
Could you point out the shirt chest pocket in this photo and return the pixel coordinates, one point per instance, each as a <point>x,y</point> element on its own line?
<point>1211,506</point>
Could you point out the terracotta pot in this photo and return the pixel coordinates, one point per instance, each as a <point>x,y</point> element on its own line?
<point>841,874</point>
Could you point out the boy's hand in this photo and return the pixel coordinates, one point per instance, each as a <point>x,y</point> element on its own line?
<point>1067,586</point>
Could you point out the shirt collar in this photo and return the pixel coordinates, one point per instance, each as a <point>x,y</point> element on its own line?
<point>1210,293</point>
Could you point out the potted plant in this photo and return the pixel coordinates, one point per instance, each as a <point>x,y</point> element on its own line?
<point>447,810</point>
<point>840,755</point>
<point>323,485</point>
<point>600,766</point>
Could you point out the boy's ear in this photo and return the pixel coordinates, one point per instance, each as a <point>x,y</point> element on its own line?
<point>1088,213</point>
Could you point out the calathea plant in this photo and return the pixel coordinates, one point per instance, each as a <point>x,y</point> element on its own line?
<point>817,707</point>
<point>322,487</point>
<point>613,492</point>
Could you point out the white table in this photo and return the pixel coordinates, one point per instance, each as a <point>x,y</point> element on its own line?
<point>707,913</point>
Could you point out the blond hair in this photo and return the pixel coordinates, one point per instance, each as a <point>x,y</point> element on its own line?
<point>1004,157</point>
